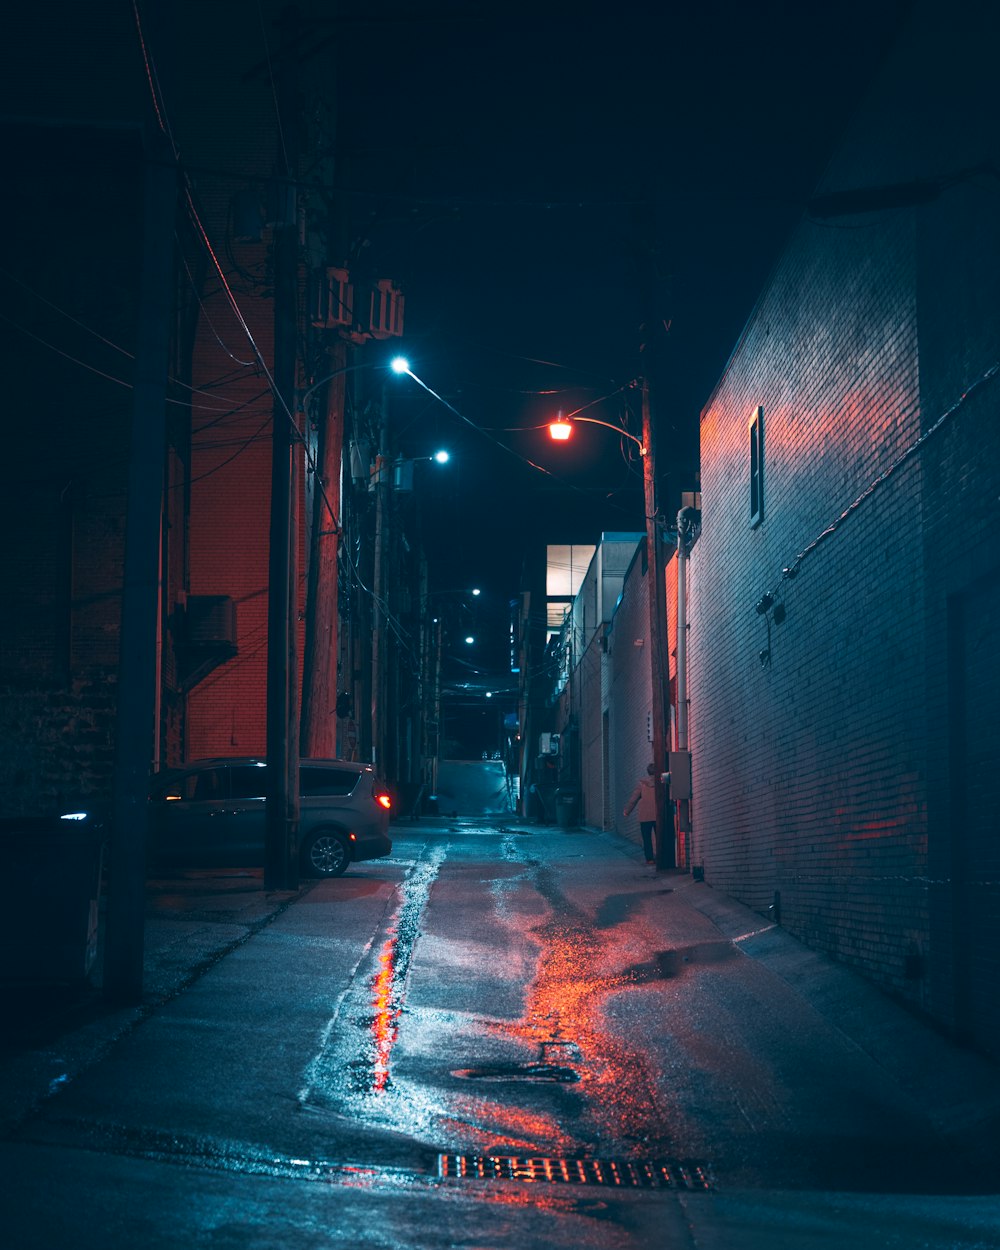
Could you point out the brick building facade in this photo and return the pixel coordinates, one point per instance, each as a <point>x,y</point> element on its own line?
<point>844,668</point>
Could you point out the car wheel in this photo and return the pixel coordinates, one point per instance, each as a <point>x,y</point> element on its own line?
<point>326,854</point>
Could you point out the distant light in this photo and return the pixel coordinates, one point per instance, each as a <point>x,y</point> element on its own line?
<point>476,590</point>
<point>470,640</point>
<point>400,364</point>
<point>489,694</point>
<point>442,457</point>
<point>74,816</point>
<point>560,429</point>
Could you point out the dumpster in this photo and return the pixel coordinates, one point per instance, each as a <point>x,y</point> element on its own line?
<point>567,802</point>
<point>49,921</point>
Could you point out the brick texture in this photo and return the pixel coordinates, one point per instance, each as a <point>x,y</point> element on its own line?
<point>837,749</point>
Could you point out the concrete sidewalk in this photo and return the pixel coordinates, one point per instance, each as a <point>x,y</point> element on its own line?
<point>52,1032</point>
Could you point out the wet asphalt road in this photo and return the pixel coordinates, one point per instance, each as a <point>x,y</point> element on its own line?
<point>502,1036</point>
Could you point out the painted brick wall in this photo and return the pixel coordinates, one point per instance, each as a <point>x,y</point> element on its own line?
<point>808,780</point>
<point>590,719</point>
<point>629,694</point>
<point>837,772</point>
<point>225,127</point>
<point>593,610</point>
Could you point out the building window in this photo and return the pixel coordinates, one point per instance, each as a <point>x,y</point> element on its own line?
<point>757,467</point>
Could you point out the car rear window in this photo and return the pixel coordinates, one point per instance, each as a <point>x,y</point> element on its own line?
<point>317,781</point>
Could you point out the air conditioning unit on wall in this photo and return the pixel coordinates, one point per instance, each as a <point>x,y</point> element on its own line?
<point>332,299</point>
<point>211,621</point>
<point>386,317</point>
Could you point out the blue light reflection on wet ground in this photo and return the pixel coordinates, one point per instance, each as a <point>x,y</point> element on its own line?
<point>366,1022</point>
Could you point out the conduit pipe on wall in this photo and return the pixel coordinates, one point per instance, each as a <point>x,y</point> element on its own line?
<point>688,521</point>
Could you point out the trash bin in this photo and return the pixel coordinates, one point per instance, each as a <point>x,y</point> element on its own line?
<point>566,809</point>
<point>49,921</point>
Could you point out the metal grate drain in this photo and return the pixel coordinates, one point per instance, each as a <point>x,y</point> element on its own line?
<point>617,1173</point>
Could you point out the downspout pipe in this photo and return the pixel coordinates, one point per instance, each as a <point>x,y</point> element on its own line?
<point>683,537</point>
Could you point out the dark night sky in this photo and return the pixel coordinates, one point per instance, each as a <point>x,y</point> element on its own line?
<point>524,170</point>
<point>500,163</point>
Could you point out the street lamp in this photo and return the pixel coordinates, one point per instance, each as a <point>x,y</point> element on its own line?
<point>560,430</point>
<point>402,468</point>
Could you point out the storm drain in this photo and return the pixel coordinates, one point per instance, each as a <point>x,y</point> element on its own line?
<point>617,1173</point>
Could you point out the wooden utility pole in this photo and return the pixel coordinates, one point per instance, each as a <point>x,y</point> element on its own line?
<point>319,687</point>
<point>655,573</point>
<point>282,810</point>
<point>383,467</point>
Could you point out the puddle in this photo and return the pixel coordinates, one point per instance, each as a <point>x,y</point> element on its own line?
<point>520,1072</point>
<point>668,965</point>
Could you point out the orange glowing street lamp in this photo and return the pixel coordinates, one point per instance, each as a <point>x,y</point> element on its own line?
<point>561,430</point>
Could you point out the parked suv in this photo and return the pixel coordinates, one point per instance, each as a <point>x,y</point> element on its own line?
<point>213,812</point>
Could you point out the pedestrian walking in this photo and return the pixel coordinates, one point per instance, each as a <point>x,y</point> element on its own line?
<point>644,795</point>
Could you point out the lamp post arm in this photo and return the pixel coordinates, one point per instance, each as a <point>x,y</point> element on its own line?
<point>364,364</point>
<point>617,429</point>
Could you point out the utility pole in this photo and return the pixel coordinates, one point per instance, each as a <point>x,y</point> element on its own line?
<point>282,798</point>
<point>657,631</point>
<point>137,664</point>
<point>319,688</point>
<point>383,467</point>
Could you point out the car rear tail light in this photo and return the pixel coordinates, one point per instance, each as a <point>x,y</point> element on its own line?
<point>383,800</point>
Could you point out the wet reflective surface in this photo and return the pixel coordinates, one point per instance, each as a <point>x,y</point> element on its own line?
<point>499,1037</point>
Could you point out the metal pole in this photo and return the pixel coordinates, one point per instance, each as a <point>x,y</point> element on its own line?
<point>682,708</point>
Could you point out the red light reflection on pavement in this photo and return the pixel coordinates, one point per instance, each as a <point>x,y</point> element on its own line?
<point>385,1000</point>
<point>523,1131</point>
<point>566,1004</point>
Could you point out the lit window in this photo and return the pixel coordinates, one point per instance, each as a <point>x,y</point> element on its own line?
<point>757,467</point>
